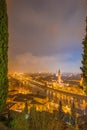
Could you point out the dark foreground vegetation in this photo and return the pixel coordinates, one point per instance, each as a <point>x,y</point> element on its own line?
<point>36,120</point>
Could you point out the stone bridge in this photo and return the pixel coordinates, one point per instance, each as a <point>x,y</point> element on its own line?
<point>67,98</point>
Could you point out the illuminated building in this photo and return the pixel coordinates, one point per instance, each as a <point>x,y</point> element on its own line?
<point>59,80</point>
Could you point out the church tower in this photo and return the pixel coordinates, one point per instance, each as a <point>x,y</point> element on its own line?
<point>59,80</point>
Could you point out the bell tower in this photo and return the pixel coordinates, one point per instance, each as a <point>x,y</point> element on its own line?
<point>59,77</point>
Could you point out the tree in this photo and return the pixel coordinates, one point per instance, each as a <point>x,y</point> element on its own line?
<point>34,119</point>
<point>3,53</point>
<point>19,122</point>
<point>60,112</point>
<point>84,61</point>
<point>26,107</point>
<point>73,113</point>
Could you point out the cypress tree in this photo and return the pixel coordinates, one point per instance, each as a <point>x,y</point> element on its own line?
<point>84,61</point>
<point>60,112</point>
<point>3,53</point>
<point>73,113</point>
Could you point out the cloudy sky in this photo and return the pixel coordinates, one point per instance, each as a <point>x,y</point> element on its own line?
<point>45,35</point>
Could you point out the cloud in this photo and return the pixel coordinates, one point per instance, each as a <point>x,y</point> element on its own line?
<point>50,28</point>
<point>29,63</point>
<point>45,30</point>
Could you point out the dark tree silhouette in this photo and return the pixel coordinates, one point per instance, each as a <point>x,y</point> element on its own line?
<point>73,113</point>
<point>84,61</point>
<point>60,111</point>
<point>3,53</point>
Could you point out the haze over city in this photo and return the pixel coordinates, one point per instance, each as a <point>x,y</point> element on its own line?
<point>46,35</point>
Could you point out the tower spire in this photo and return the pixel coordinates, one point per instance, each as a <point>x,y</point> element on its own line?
<point>59,77</point>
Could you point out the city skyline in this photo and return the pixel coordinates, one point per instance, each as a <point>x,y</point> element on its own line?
<point>46,35</point>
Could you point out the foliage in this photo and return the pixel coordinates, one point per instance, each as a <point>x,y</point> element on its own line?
<point>83,126</point>
<point>46,121</point>
<point>19,122</point>
<point>60,112</point>
<point>84,61</point>
<point>26,107</point>
<point>3,127</point>
<point>34,119</point>
<point>3,53</point>
<point>73,113</point>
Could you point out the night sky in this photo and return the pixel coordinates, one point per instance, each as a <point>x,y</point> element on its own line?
<point>46,35</point>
